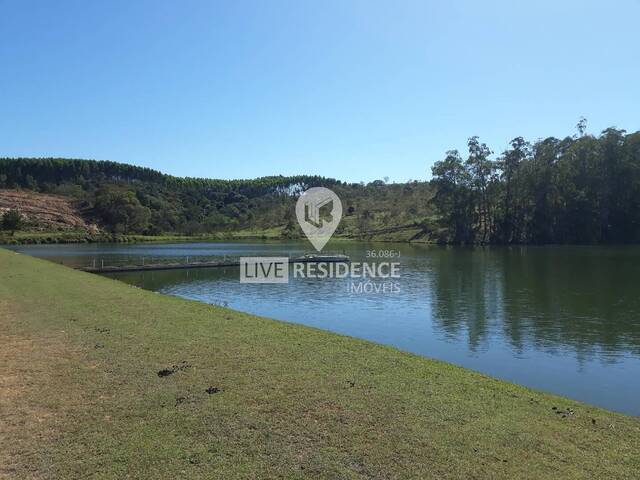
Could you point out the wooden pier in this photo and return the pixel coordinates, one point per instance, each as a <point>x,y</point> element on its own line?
<point>215,264</point>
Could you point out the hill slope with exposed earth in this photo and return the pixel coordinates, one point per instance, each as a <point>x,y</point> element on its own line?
<point>45,212</point>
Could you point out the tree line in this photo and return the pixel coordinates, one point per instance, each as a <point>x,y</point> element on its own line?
<point>579,189</point>
<point>128,199</point>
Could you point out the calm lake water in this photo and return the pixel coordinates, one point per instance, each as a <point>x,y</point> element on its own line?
<point>560,319</point>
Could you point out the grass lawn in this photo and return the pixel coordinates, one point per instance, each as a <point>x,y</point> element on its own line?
<point>99,379</point>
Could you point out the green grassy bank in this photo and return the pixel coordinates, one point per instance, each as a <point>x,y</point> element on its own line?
<point>103,380</point>
<point>403,235</point>
<point>28,238</point>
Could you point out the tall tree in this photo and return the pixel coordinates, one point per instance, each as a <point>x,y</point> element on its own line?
<point>509,165</point>
<point>452,197</point>
<point>482,175</point>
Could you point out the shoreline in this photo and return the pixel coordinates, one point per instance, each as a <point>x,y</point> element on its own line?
<point>58,239</point>
<point>61,238</point>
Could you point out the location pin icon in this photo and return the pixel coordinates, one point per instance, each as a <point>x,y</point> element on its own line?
<point>319,211</point>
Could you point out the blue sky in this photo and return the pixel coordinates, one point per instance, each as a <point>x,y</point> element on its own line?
<point>356,90</point>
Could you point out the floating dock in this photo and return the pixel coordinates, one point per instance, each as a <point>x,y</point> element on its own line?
<point>215,264</point>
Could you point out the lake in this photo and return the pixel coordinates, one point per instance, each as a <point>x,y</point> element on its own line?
<point>561,319</point>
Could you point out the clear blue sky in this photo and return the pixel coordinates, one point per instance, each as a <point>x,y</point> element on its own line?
<point>356,90</point>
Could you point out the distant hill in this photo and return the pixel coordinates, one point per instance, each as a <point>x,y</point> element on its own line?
<point>126,199</point>
<point>577,189</point>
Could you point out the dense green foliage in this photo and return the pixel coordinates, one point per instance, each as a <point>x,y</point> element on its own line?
<point>581,189</point>
<point>11,221</point>
<point>128,199</point>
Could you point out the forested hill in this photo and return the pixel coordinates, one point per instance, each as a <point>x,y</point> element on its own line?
<point>129,199</point>
<point>577,189</point>
<point>48,173</point>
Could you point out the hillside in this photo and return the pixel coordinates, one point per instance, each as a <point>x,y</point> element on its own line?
<point>125,199</point>
<point>572,190</point>
<point>46,212</point>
